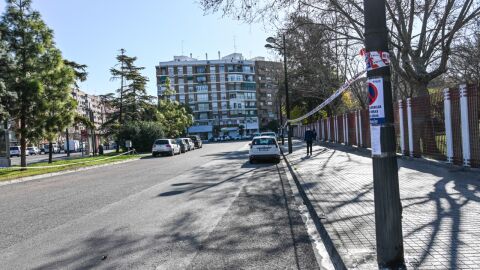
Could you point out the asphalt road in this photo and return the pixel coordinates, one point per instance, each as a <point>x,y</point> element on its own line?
<point>207,209</point>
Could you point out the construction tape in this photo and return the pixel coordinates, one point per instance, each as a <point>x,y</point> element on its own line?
<point>337,93</point>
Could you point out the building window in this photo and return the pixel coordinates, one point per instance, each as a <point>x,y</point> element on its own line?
<point>202,97</point>
<point>200,69</point>
<point>201,79</point>
<point>203,107</point>
<point>180,71</point>
<point>202,88</point>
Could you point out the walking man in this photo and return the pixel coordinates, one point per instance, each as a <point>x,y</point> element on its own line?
<point>309,136</point>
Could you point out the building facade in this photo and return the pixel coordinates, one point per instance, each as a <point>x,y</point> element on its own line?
<point>92,108</point>
<point>222,94</point>
<point>268,76</point>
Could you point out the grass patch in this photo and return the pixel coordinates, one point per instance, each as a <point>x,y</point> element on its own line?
<point>67,164</point>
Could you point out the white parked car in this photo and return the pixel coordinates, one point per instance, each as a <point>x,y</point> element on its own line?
<point>236,137</point>
<point>165,146</point>
<point>264,148</point>
<point>33,150</point>
<point>16,151</point>
<point>271,134</point>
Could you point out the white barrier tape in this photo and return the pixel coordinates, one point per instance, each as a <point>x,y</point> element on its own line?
<point>63,165</point>
<point>338,92</point>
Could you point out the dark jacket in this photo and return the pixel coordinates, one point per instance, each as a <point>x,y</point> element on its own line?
<point>309,135</point>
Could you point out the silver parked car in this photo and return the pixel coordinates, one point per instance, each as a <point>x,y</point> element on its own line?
<point>190,143</point>
<point>165,146</point>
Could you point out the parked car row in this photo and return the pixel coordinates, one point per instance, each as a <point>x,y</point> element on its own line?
<point>173,147</point>
<point>15,151</point>
<point>225,138</point>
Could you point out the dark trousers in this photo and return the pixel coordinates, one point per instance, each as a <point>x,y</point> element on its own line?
<point>309,147</point>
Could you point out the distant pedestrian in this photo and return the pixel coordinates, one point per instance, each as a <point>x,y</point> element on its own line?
<point>309,136</point>
<point>314,135</point>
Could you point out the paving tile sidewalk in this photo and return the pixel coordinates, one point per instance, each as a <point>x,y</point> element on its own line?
<point>441,207</point>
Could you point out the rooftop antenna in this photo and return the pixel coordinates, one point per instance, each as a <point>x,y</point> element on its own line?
<point>206,56</point>
<point>234,45</point>
<point>219,55</point>
<point>182,46</point>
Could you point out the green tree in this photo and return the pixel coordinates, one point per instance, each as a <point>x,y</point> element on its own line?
<point>60,105</point>
<point>141,133</point>
<point>27,40</point>
<point>172,115</point>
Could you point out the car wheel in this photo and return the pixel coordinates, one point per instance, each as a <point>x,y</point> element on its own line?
<point>154,155</point>
<point>172,153</point>
<point>252,161</point>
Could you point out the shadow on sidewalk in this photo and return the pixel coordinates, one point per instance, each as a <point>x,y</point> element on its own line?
<point>440,205</point>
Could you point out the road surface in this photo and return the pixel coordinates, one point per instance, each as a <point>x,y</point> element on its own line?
<point>206,209</point>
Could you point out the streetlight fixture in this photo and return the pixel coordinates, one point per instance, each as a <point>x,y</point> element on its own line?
<point>272,44</point>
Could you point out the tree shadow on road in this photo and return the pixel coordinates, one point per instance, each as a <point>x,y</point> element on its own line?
<point>260,229</point>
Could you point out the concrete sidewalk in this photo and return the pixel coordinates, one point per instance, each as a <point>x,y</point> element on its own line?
<point>441,207</point>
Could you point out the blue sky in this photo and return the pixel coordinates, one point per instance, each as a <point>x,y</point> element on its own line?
<point>92,31</point>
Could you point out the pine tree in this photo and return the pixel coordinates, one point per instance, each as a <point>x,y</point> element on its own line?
<point>5,96</point>
<point>27,40</point>
<point>121,74</point>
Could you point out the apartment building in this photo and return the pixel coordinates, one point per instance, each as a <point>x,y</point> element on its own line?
<point>92,108</point>
<point>221,93</point>
<point>268,76</point>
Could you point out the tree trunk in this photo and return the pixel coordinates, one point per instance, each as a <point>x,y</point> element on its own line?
<point>423,122</point>
<point>50,151</point>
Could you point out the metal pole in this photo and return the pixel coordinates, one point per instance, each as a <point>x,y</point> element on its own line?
<point>281,121</point>
<point>67,148</point>
<point>388,208</point>
<point>287,100</point>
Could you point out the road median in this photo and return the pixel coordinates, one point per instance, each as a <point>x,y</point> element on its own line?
<point>42,168</point>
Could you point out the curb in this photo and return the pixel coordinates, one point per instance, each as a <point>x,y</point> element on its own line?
<point>335,258</point>
<point>46,175</point>
<point>322,256</point>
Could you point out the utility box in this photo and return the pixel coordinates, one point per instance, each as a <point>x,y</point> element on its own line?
<point>5,148</point>
<point>128,143</point>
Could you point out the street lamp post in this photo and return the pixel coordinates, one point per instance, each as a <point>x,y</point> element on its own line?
<point>271,41</point>
<point>388,208</point>
<point>281,120</point>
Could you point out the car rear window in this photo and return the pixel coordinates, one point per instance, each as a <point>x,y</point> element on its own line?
<point>14,148</point>
<point>193,138</point>
<point>264,141</point>
<point>162,142</point>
